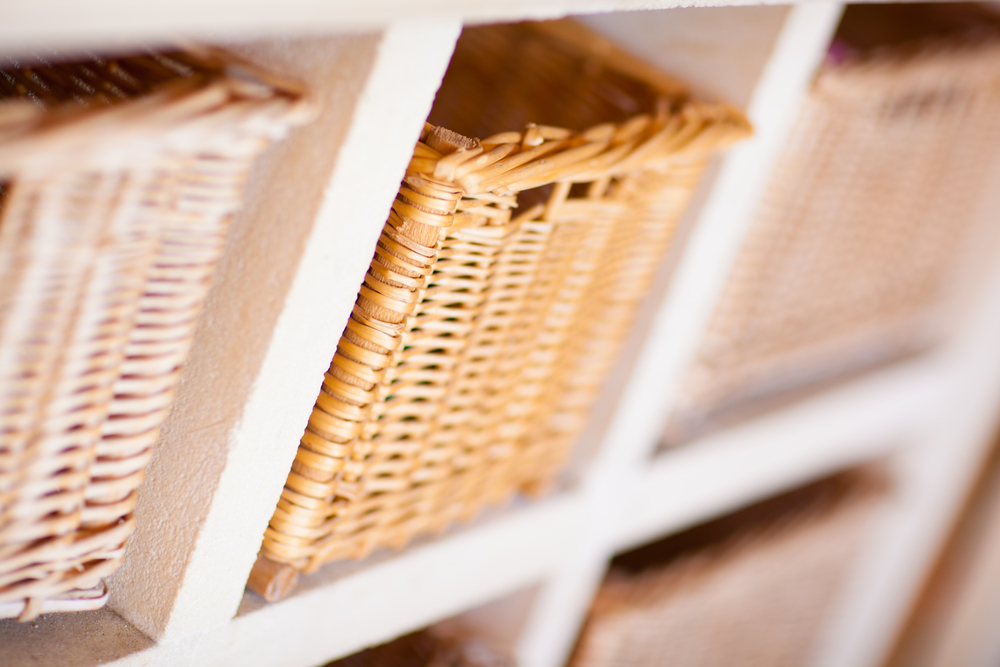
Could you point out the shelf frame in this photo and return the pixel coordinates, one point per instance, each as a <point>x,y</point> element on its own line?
<point>75,26</point>
<point>300,251</point>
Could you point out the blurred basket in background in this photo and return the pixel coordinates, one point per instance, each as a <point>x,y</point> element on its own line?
<point>119,178</point>
<point>855,253</point>
<point>753,588</point>
<point>502,286</point>
<point>428,648</point>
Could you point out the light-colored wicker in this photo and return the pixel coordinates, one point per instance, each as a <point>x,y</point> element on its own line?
<point>428,648</point>
<point>852,258</point>
<point>121,176</point>
<point>754,595</point>
<point>489,315</point>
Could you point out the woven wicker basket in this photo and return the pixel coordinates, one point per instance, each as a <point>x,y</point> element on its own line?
<point>853,256</point>
<point>121,176</point>
<point>428,648</point>
<point>752,589</point>
<point>489,318</point>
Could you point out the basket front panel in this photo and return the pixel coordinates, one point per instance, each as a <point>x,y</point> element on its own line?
<point>490,378</point>
<point>760,599</point>
<point>655,199</point>
<point>77,270</point>
<point>113,270</point>
<point>328,483</point>
<point>111,224</point>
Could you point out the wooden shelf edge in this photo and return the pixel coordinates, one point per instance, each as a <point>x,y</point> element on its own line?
<point>76,26</point>
<point>335,613</point>
<point>858,421</point>
<point>404,592</point>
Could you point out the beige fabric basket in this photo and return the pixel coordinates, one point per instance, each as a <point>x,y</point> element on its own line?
<point>490,316</point>
<point>120,178</point>
<point>753,589</point>
<point>853,256</point>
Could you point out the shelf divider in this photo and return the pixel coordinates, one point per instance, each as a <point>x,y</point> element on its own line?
<point>316,204</point>
<point>32,25</point>
<point>634,430</point>
<point>864,419</point>
<point>934,476</point>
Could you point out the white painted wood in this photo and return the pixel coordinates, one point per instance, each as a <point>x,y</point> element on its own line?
<point>988,651</point>
<point>688,43</point>
<point>69,25</point>
<point>635,429</point>
<point>859,421</point>
<point>341,610</point>
<point>716,239</point>
<point>263,344</point>
<point>422,586</point>
<point>330,616</point>
<point>55,639</point>
<point>955,619</point>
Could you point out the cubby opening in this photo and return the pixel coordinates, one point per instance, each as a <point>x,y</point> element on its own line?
<point>758,582</point>
<point>860,250</point>
<point>483,334</point>
<point>484,636</point>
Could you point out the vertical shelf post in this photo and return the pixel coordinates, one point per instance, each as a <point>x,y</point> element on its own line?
<point>315,207</point>
<point>934,474</point>
<point>700,276</point>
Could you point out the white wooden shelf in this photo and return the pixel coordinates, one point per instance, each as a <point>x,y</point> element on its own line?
<point>69,25</point>
<point>866,419</point>
<point>354,605</point>
<point>299,250</point>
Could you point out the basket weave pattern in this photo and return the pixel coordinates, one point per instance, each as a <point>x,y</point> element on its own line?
<point>853,252</point>
<point>760,599</point>
<point>122,179</point>
<point>428,648</point>
<point>486,324</point>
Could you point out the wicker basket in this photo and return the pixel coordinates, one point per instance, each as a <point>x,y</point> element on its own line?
<point>752,589</point>
<point>489,318</point>
<point>853,257</point>
<point>121,176</point>
<point>428,648</point>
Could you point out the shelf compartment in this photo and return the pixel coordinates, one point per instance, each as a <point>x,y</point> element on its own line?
<point>479,637</point>
<point>754,586</point>
<point>856,252</point>
<point>502,286</point>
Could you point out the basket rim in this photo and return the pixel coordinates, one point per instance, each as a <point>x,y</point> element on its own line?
<point>512,161</point>
<point>200,104</point>
<point>967,60</point>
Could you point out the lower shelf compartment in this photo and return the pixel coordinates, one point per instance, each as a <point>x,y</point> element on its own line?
<point>754,587</point>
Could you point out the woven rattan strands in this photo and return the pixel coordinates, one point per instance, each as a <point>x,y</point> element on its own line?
<point>853,254</point>
<point>428,648</point>
<point>754,588</point>
<point>486,322</point>
<point>123,175</point>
